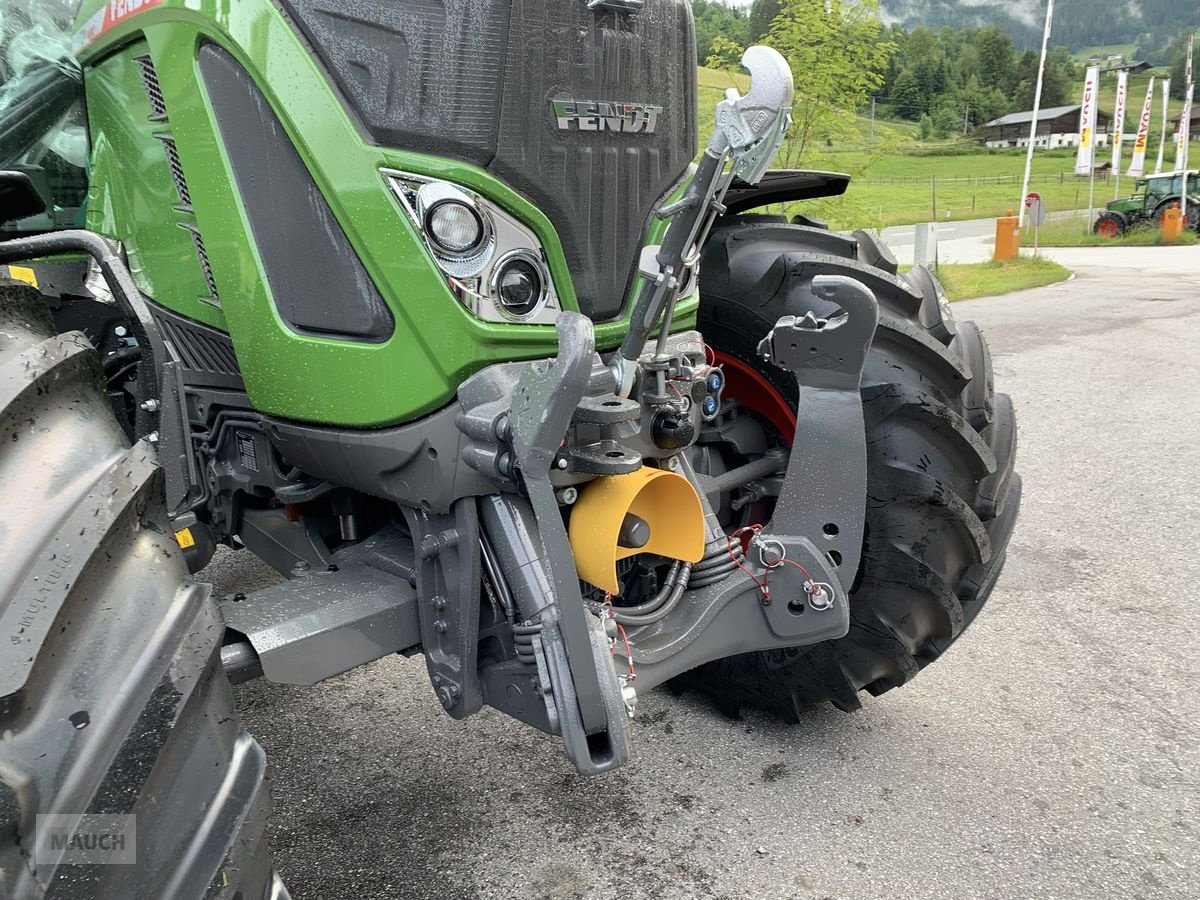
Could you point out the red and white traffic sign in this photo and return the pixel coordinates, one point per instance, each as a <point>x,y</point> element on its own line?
<point>1037,209</point>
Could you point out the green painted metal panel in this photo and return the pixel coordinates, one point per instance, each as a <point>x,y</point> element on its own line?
<point>436,344</point>
<point>132,195</point>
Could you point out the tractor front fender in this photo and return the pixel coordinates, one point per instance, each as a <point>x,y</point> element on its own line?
<point>784,186</point>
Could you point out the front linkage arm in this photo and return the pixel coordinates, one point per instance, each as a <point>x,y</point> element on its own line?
<point>571,650</point>
<point>749,129</point>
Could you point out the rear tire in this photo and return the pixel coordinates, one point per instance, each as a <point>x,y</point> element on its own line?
<point>112,694</point>
<point>942,495</point>
<point>1193,214</point>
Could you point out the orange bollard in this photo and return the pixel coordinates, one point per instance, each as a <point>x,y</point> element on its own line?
<point>1008,237</point>
<point>1172,223</point>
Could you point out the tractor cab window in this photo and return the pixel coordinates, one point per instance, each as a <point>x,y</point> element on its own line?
<point>43,128</point>
<point>1157,189</point>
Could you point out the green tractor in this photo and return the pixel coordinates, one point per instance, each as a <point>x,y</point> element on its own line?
<point>445,316</point>
<point>1153,196</point>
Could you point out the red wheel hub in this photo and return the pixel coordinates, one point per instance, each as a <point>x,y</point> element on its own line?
<point>1108,228</point>
<point>746,385</point>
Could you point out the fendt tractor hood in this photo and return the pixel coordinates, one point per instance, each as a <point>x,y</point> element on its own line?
<point>590,113</point>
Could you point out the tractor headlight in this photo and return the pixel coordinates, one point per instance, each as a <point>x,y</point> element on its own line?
<point>493,262</point>
<point>455,227</point>
<point>454,224</point>
<point>519,284</point>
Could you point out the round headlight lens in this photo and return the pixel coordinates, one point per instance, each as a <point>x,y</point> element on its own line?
<point>454,227</point>
<point>519,286</point>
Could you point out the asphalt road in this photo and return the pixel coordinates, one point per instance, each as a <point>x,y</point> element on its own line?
<point>1053,753</point>
<point>902,235</point>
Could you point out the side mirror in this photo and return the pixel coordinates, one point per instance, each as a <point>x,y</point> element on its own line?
<point>18,197</point>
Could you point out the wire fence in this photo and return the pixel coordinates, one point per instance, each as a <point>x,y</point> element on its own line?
<point>976,180</point>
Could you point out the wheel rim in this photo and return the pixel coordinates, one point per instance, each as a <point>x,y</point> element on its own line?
<point>758,395</point>
<point>1108,228</point>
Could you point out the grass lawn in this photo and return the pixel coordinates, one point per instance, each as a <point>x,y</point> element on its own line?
<point>963,282</point>
<point>1104,51</point>
<point>1078,233</point>
<point>897,187</point>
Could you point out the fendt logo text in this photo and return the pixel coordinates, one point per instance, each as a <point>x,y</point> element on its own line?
<point>600,115</point>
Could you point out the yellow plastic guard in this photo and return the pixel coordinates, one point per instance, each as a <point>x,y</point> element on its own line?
<point>183,537</point>
<point>23,273</point>
<point>1172,223</point>
<point>665,501</point>
<point>1008,237</point>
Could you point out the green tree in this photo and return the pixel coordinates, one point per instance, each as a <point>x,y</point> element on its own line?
<point>927,61</point>
<point>947,121</point>
<point>1058,81</point>
<point>724,54</point>
<point>714,19</point>
<point>1061,75</point>
<point>762,14</point>
<point>905,98</point>
<point>997,59</point>
<point>965,65</point>
<point>838,57</point>
<point>1179,68</point>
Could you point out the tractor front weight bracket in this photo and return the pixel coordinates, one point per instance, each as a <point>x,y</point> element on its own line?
<point>824,493</point>
<point>805,559</point>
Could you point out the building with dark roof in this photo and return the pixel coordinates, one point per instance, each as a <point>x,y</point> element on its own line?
<point>1134,65</point>
<point>1193,120</point>
<point>1058,126</point>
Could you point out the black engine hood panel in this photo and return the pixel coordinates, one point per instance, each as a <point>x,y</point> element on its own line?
<point>476,80</point>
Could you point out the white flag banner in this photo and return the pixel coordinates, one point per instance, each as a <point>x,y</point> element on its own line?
<point>1087,123</point>
<point>1185,127</point>
<point>1185,118</point>
<point>1166,91</point>
<point>1118,126</point>
<point>1137,167</point>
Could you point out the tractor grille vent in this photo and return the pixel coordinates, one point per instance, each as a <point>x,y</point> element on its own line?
<point>202,254</point>
<point>168,143</point>
<point>203,351</point>
<point>158,107</point>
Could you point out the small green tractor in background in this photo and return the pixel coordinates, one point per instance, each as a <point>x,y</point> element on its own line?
<point>441,311</point>
<point>1153,196</point>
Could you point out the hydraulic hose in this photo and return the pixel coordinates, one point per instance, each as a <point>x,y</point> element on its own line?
<point>658,599</point>
<point>716,565</point>
<point>660,605</point>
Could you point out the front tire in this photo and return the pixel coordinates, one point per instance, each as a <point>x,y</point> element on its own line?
<point>113,699</point>
<point>1111,225</point>
<point>942,495</point>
